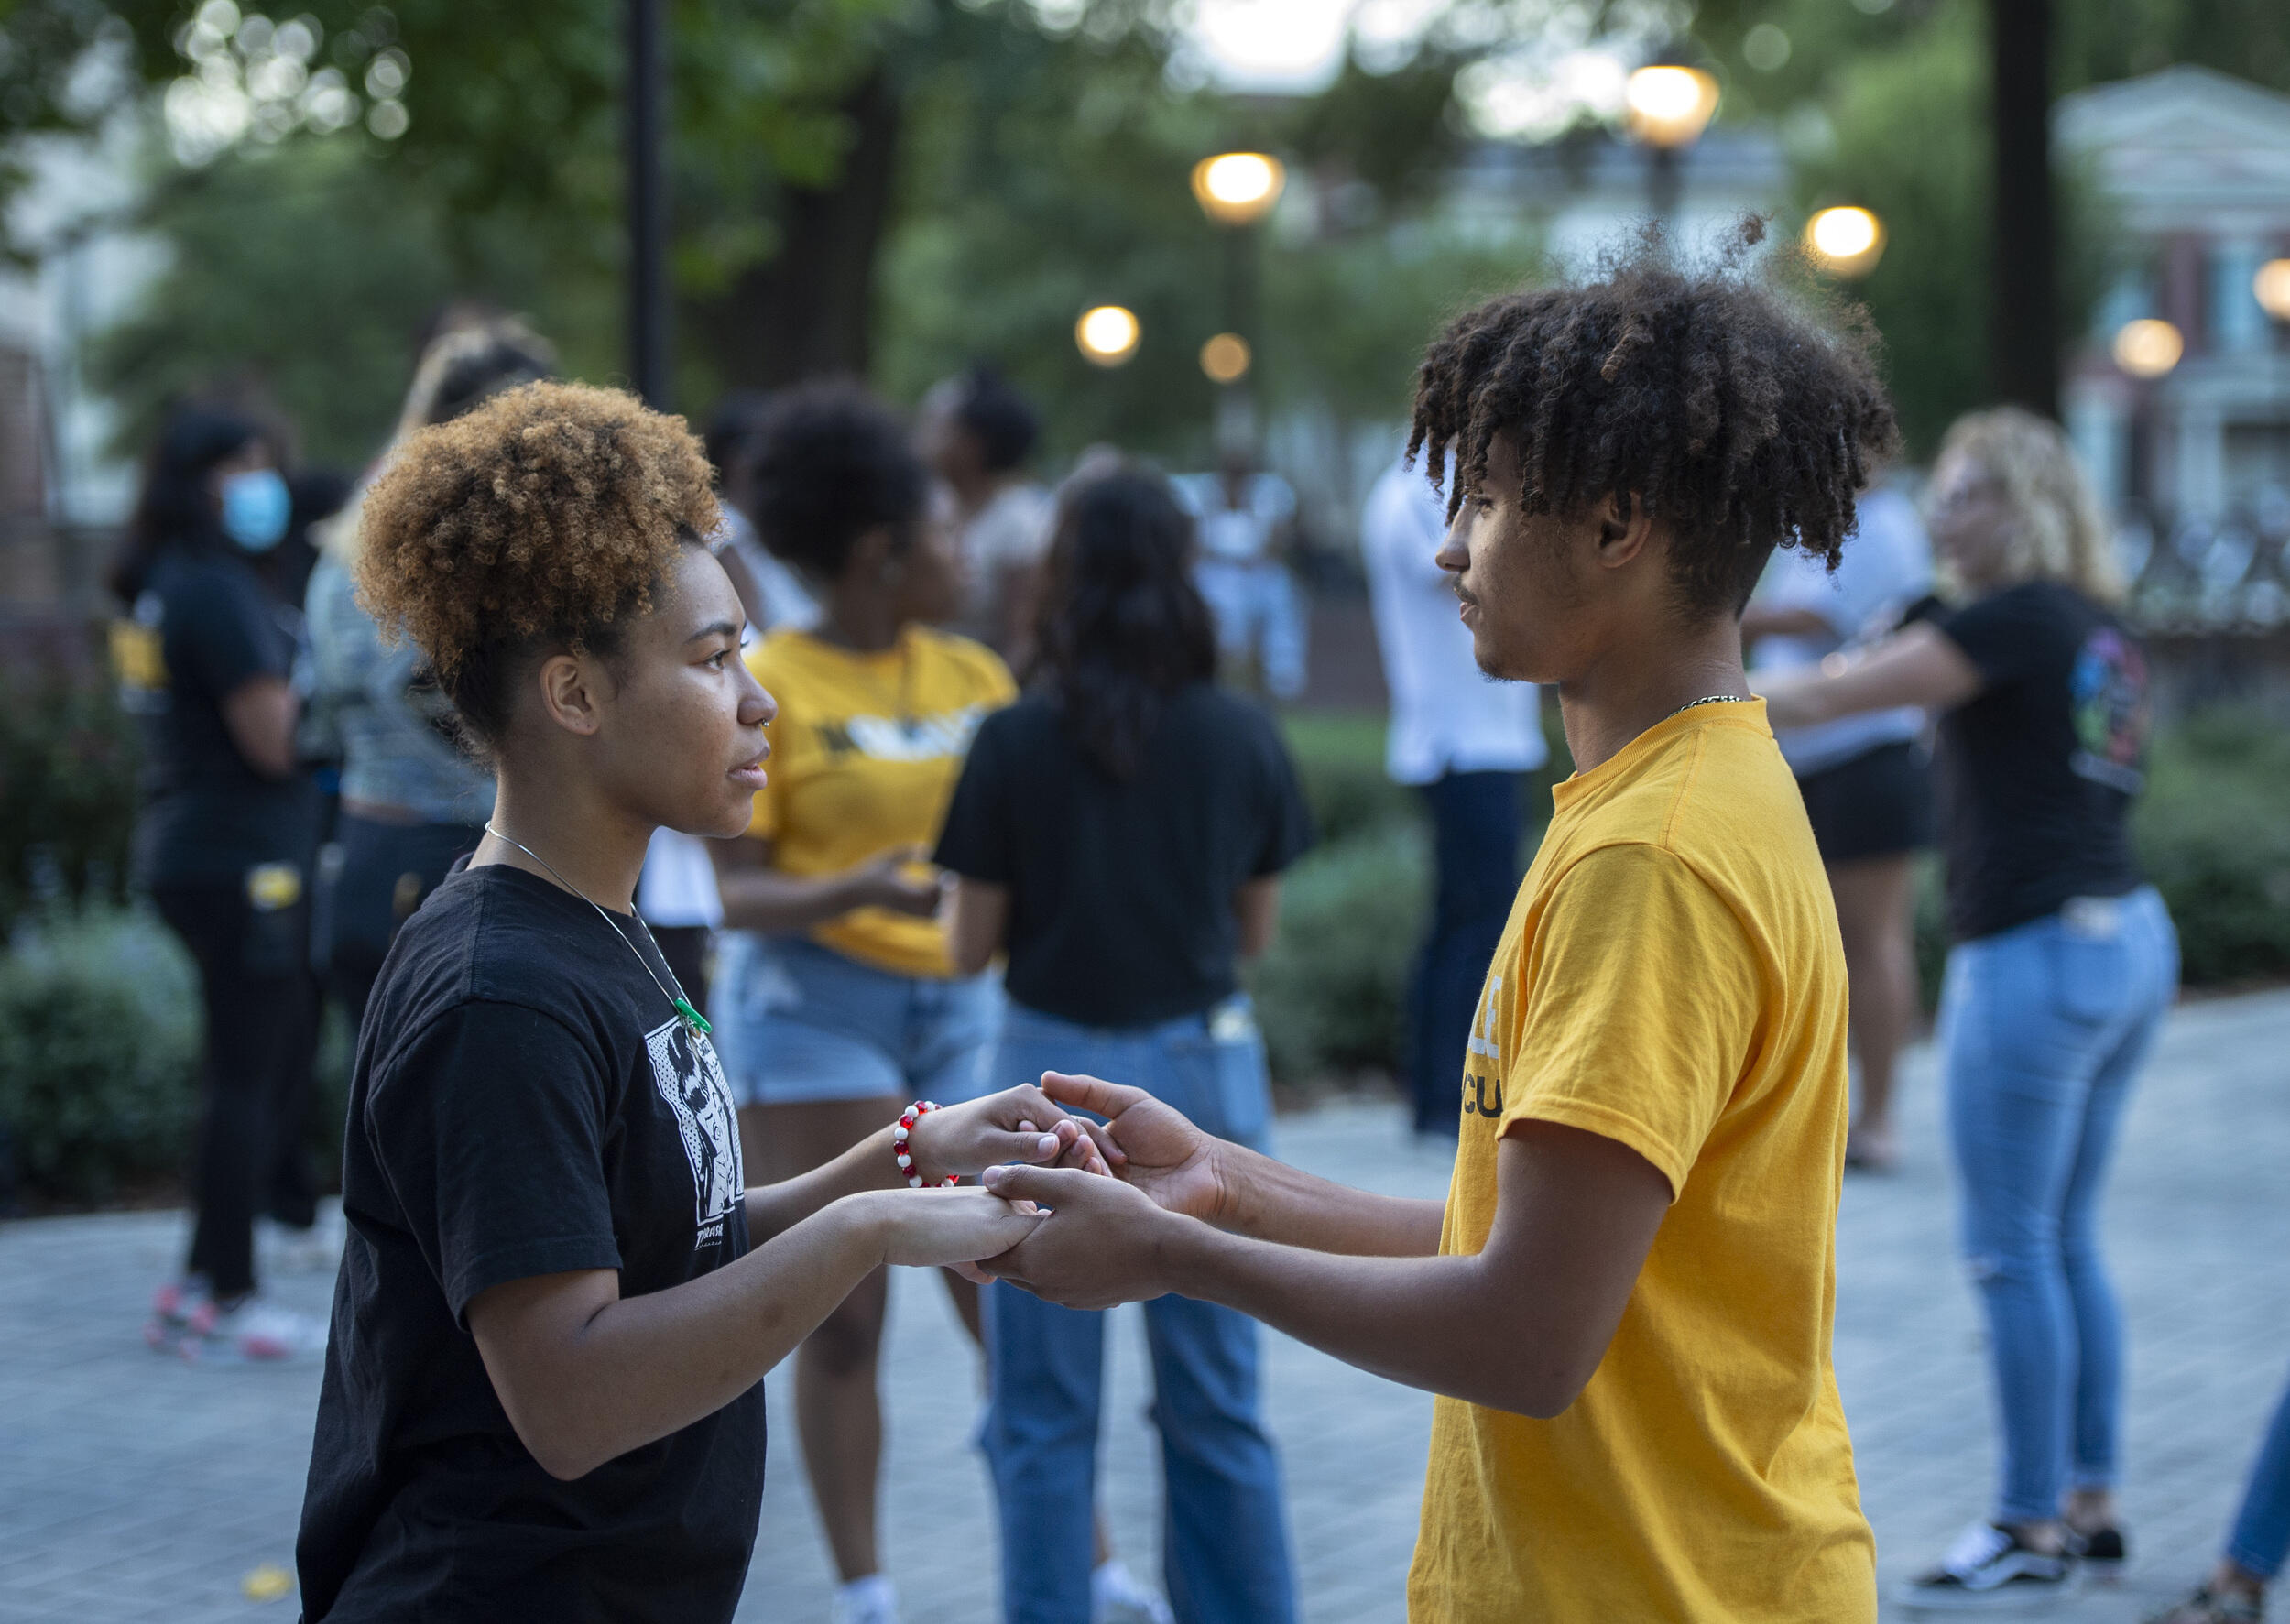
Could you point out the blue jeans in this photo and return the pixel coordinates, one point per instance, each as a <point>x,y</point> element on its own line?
<point>1225,1550</point>
<point>2044,1026</point>
<point>1476,828</point>
<point>2261,1528</point>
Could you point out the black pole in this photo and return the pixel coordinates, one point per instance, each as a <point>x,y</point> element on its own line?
<point>2024,286</point>
<point>648,207</point>
<point>1665,184</point>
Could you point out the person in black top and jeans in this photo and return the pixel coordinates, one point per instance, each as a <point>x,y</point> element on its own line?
<point>1120,831</point>
<point>209,662</point>
<point>558,1296</point>
<point>2063,965</point>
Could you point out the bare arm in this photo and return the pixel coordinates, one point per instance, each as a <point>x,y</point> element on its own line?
<point>1758,621</point>
<point>758,897</point>
<point>977,924</point>
<point>587,1375</point>
<point>1256,904</point>
<point>1520,1325</point>
<point>1916,666</point>
<point>259,715</point>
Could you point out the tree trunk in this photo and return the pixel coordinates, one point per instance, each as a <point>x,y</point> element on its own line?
<point>2024,336</point>
<point>808,312</point>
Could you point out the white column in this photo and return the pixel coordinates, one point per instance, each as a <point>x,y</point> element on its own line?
<point>2202,475</point>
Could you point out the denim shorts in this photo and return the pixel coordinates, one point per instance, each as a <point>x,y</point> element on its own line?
<point>796,1022</point>
<point>1209,1065</point>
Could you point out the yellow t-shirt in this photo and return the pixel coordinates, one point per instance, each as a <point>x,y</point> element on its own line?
<point>865,754</point>
<point>1671,977</point>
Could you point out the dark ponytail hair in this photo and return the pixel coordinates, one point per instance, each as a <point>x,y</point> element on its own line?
<point>1122,627</point>
<point>175,503</point>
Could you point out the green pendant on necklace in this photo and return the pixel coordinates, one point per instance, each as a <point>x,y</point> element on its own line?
<point>694,1022</point>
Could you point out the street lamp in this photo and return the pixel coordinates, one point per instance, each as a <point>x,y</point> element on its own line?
<point>1225,358</point>
<point>1846,241</point>
<point>1107,334</point>
<point>1669,105</point>
<point>1238,188</point>
<point>2148,348</point>
<point>2270,288</point>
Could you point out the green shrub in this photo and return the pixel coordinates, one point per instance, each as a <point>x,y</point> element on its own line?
<point>2213,838</point>
<point>99,1045</point>
<point>1332,993</point>
<point>67,757</point>
<point>1339,762</point>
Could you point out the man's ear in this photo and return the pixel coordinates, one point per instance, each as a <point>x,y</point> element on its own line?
<point>1625,527</point>
<point>572,690</point>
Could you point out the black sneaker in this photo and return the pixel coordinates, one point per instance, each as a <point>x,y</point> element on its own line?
<point>2099,1553</point>
<point>1989,1570</point>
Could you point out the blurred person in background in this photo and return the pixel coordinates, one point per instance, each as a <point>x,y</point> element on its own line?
<point>1464,741</point>
<point>847,1005</point>
<point>1866,780</point>
<point>211,664</point>
<point>2235,1593</point>
<point>1246,519</point>
<point>1120,833</point>
<point>413,799</point>
<point>2063,965</point>
<point>976,431</point>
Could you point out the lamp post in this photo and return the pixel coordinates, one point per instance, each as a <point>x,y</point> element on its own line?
<point>648,206</point>
<point>1669,105</point>
<point>1237,190</point>
<point>1844,241</point>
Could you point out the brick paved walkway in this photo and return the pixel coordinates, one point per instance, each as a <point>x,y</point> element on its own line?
<point>132,1487</point>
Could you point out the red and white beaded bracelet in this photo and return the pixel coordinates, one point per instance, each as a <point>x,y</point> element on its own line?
<point>899,1151</point>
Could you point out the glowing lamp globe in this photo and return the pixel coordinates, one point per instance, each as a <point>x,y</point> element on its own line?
<point>1670,106</point>
<point>2270,288</point>
<point>1846,241</point>
<point>2148,348</point>
<point>1238,188</point>
<point>1108,336</point>
<point>1225,358</point>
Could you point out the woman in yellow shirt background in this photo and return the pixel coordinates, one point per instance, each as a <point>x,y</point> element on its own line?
<point>838,1003</point>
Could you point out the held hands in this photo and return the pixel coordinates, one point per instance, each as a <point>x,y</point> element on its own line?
<point>1150,1144</point>
<point>965,1139</point>
<point>888,881</point>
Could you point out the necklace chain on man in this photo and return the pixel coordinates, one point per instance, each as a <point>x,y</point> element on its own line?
<point>1706,699</point>
<point>694,1022</point>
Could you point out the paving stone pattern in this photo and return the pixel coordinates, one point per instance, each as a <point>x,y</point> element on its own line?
<point>136,1487</point>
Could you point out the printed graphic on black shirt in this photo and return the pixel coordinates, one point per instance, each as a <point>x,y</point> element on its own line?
<point>691,1079</point>
<point>2108,697</point>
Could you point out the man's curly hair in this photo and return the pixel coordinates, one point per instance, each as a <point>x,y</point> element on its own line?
<point>540,520</point>
<point>1742,417</point>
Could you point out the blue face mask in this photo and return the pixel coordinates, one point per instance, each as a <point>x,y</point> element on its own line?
<point>255,507</point>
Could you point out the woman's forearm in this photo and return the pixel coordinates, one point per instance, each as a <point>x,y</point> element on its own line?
<point>772,1209</point>
<point>771,900</point>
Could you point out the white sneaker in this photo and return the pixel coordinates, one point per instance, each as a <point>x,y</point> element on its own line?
<point>1118,1597</point>
<point>1991,1569</point>
<point>253,1331</point>
<point>171,1307</point>
<point>871,1600</point>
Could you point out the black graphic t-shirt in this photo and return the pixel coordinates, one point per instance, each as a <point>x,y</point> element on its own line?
<point>1121,894</point>
<point>524,1102</point>
<point>203,627</point>
<point>2037,773</point>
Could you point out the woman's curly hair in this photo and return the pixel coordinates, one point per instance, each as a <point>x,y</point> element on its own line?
<point>540,520</point>
<point>1733,411</point>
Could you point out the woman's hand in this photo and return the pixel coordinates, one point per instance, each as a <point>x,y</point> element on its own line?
<point>885,882</point>
<point>966,1140</point>
<point>945,1228</point>
<point>1150,1144</point>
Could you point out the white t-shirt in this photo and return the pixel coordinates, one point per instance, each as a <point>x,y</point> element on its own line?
<point>1238,534</point>
<point>1886,566</point>
<point>1446,715</point>
<point>1012,531</point>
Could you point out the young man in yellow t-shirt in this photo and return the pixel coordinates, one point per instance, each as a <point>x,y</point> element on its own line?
<point>1625,1302</point>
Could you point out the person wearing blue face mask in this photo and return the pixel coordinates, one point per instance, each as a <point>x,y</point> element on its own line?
<point>209,662</point>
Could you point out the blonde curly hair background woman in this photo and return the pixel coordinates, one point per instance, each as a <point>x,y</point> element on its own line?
<point>2063,965</point>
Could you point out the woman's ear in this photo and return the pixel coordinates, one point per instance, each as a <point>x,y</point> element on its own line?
<point>573,687</point>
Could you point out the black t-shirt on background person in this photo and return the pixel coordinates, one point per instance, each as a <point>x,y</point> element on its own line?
<point>524,1102</point>
<point>2037,773</point>
<point>202,628</point>
<point>1121,895</point>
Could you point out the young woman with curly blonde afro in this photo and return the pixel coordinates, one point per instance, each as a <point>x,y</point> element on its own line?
<point>558,1295</point>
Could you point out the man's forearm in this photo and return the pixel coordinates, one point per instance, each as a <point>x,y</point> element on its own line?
<point>1271,1201</point>
<point>1432,1323</point>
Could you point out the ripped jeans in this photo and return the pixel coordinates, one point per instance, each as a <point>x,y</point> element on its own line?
<point>2043,1028</point>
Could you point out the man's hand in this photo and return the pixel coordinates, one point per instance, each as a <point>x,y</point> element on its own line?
<point>1150,1144</point>
<point>1101,1244</point>
<point>1006,1127</point>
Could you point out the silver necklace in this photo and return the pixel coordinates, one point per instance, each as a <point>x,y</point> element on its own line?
<point>694,1022</point>
<point>1708,698</point>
